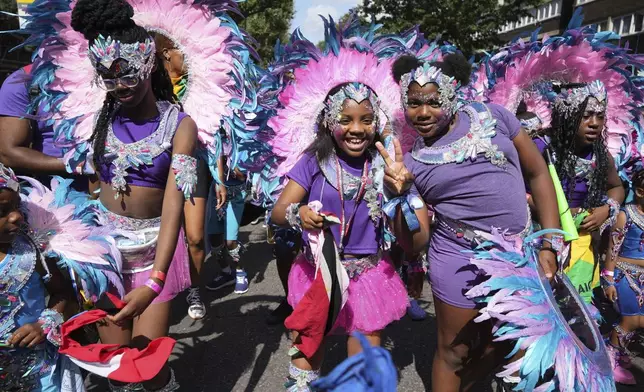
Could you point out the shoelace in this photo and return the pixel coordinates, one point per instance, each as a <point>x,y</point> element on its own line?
<point>193,297</point>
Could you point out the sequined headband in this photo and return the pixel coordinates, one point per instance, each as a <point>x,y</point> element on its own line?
<point>427,73</point>
<point>104,52</point>
<point>569,100</point>
<point>355,91</point>
<point>8,179</point>
<point>532,125</point>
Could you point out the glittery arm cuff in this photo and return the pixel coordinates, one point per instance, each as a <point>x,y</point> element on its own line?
<point>293,216</point>
<point>614,207</point>
<point>50,321</point>
<point>185,172</point>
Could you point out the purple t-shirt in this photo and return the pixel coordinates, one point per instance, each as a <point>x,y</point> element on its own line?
<point>578,195</point>
<point>363,238</point>
<point>14,100</point>
<point>477,193</point>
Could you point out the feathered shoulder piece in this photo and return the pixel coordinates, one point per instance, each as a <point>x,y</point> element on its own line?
<point>301,76</point>
<point>219,63</point>
<point>525,72</point>
<point>64,224</point>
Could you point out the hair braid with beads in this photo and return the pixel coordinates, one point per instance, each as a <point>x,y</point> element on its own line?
<point>563,136</point>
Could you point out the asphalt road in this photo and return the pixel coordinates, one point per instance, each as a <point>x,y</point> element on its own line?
<point>232,349</point>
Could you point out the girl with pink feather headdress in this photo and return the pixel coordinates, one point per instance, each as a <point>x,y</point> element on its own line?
<point>326,133</point>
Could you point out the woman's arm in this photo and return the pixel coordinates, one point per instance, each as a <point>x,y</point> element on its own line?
<point>185,141</point>
<point>615,241</point>
<point>543,194</point>
<point>294,194</point>
<point>615,191</point>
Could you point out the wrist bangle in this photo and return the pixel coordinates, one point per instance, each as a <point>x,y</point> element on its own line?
<point>607,273</point>
<point>293,216</point>
<point>158,275</point>
<point>154,286</point>
<point>50,322</point>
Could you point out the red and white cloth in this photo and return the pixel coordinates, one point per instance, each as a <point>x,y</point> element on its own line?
<point>114,361</point>
<point>314,316</point>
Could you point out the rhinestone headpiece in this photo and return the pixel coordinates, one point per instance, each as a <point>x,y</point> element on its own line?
<point>532,125</point>
<point>569,100</point>
<point>447,85</point>
<point>8,179</point>
<point>139,55</point>
<point>356,91</point>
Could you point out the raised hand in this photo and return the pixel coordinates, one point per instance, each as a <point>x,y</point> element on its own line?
<point>397,178</point>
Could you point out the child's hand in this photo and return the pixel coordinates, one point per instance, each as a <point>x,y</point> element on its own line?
<point>595,219</point>
<point>611,293</point>
<point>311,220</point>
<point>397,178</point>
<point>29,335</point>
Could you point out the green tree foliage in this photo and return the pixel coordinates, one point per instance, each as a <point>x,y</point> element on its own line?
<point>266,21</point>
<point>471,25</point>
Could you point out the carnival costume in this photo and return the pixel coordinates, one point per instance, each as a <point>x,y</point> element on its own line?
<point>628,280</point>
<point>460,175</point>
<point>140,154</point>
<point>368,293</point>
<point>525,71</point>
<point>61,224</point>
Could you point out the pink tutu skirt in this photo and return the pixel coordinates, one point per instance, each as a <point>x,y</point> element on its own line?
<point>137,266</point>
<point>376,297</point>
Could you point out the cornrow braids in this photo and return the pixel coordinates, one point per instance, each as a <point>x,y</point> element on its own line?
<point>563,142</point>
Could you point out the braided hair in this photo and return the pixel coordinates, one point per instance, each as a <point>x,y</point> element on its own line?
<point>114,18</point>
<point>563,136</point>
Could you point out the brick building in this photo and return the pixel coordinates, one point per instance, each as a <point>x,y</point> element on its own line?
<point>624,17</point>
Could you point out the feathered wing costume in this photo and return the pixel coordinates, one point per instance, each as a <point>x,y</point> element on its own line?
<point>302,75</point>
<point>525,71</point>
<point>219,63</point>
<point>558,332</point>
<point>65,225</point>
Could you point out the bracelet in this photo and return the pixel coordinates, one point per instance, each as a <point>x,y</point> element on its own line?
<point>613,211</point>
<point>606,283</point>
<point>50,322</point>
<point>556,242</point>
<point>293,216</point>
<point>158,275</point>
<point>154,286</point>
<point>607,273</point>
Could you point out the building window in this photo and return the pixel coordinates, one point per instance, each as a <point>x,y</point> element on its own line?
<point>628,24</point>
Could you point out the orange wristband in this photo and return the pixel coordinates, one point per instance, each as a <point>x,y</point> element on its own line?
<point>158,275</point>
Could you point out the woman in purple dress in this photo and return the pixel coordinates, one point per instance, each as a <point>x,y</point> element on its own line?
<point>468,164</point>
<point>143,152</point>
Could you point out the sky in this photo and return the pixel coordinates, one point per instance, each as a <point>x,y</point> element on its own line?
<point>307,19</point>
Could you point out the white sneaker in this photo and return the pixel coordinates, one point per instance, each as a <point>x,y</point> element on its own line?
<point>196,308</point>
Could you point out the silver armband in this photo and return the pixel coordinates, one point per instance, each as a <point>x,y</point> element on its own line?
<point>185,172</point>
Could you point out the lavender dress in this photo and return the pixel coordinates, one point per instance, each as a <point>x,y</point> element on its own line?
<point>477,193</point>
